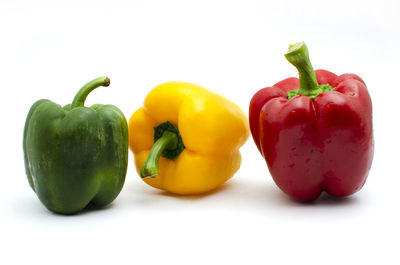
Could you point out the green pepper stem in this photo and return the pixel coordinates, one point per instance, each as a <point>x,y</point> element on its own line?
<point>297,55</point>
<point>168,140</point>
<point>80,97</point>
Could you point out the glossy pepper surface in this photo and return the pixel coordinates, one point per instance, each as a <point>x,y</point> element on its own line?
<point>314,132</point>
<point>186,139</point>
<point>76,155</point>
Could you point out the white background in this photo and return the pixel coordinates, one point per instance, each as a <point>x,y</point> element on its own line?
<point>49,49</point>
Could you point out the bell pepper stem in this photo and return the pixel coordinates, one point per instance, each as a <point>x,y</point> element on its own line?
<point>297,55</point>
<point>80,97</point>
<point>150,168</point>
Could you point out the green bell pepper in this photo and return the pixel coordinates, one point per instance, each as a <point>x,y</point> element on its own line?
<point>76,156</point>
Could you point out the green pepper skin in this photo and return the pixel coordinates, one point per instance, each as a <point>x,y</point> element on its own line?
<point>75,156</point>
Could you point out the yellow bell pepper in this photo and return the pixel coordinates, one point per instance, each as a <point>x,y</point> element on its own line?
<point>196,132</point>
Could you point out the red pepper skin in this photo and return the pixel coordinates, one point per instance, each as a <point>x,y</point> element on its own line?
<point>311,146</point>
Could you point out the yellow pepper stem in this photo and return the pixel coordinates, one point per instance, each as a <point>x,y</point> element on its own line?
<point>168,140</point>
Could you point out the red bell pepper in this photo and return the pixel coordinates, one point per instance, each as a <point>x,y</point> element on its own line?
<point>314,132</point>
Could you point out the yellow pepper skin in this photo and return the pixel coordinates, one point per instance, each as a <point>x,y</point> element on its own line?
<point>211,127</point>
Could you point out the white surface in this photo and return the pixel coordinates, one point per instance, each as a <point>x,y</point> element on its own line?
<point>49,50</point>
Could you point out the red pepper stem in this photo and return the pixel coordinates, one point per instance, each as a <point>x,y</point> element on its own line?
<point>80,97</point>
<point>298,56</point>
